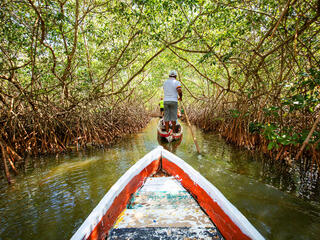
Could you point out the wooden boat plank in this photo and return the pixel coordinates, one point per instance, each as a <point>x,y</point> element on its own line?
<point>158,184</point>
<point>156,200</point>
<point>139,218</point>
<point>157,233</point>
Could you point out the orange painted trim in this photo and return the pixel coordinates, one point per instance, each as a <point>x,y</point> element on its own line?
<point>226,226</point>
<point>120,202</point>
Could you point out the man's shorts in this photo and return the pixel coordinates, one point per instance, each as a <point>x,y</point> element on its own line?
<point>170,111</point>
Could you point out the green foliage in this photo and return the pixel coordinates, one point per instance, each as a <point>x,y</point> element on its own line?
<point>235,113</point>
<point>302,98</point>
<point>277,136</point>
<point>271,111</point>
<point>255,127</point>
<point>220,49</point>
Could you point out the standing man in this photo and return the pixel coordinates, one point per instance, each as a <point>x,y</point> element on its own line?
<point>161,107</point>
<point>171,89</point>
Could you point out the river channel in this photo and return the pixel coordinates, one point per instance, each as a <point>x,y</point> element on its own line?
<point>54,195</point>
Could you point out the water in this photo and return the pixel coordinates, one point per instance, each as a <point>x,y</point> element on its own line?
<point>53,196</point>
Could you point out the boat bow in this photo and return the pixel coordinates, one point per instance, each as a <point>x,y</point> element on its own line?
<point>229,220</point>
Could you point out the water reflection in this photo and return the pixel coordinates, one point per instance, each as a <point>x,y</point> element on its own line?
<point>172,146</point>
<point>57,193</point>
<point>309,183</point>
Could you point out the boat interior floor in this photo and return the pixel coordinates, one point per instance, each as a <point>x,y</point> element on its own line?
<point>163,209</point>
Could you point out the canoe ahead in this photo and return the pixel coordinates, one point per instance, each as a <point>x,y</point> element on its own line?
<point>169,136</point>
<point>162,197</point>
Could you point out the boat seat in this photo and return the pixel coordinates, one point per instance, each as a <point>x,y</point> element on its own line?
<point>164,233</point>
<point>163,209</point>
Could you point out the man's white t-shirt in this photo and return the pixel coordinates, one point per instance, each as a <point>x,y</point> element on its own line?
<point>170,89</point>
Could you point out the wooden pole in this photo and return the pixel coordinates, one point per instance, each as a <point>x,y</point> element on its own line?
<point>194,138</point>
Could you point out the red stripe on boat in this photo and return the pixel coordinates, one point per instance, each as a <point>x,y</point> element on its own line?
<point>177,136</point>
<point>164,135</point>
<point>121,201</point>
<point>226,226</point>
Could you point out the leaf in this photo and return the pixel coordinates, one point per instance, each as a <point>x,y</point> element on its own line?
<point>270,145</point>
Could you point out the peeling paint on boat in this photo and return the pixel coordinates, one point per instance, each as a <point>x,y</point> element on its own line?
<point>163,202</point>
<point>163,208</point>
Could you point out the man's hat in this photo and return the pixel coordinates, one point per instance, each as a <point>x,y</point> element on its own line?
<point>173,73</point>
